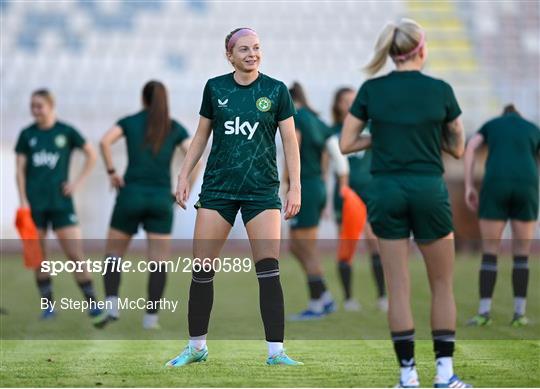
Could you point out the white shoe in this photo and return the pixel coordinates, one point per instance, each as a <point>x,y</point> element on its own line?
<point>351,305</point>
<point>150,321</point>
<point>382,304</point>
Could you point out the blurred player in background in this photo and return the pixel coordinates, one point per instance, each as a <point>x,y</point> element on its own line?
<point>144,193</point>
<point>408,113</point>
<point>43,161</point>
<point>359,180</point>
<point>509,192</point>
<point>242,110</point>
<point>315,138</point>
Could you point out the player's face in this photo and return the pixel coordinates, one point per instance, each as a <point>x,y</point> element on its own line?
<point>41,109</point>
<point>246,54</point>
<point>345,101</point>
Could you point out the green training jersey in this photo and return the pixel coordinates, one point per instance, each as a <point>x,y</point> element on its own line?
<point>359,164</point>
<point>48,153</point>
<point>513,146</point>
<point>242,162</point>
<point>408,112</point>
<point>314,134</point>
<point>144,167</point>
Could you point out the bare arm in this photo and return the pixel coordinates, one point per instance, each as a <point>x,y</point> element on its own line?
<point>325,164</point>
<point>454,138</point>
<point>21,180</point>
<point>285,175</point>
<point>193,155</point>
<point>89,163</point>
<point>111,137</point>
<point>350,140</point>
<point>292,162</point>
<point>470,158</point>
<point>184,146</point>
<point>471,195</point>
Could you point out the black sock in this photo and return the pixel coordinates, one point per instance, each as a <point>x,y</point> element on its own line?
<point>271,299</point>
<point>45,289</point>
<point>316,287</point>
<point>488,275</point>
<point>404,347</point>
<point>87,289</point>
<point>201,299</point>
<point>345,273</point>
<point>443,343</point>
<point>112,275</point>
<point>378,273</point>
<point>520,276</point>
<point>156,286</point>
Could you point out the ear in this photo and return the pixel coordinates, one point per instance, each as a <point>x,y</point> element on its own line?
<point>424,52</point>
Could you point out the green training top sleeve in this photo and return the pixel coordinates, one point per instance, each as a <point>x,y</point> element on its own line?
<point>182,133</point>
<point>122,123</point>
<point>359,108</point>
<point>206,106</point>
<point>452,107</point>
<point>76,139</point>
<point>537,140</point>
<point>22,147</point>
<point>484,131</point>
<point>285,105</point>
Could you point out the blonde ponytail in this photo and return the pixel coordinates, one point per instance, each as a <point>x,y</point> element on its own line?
<point>382,49</point>
<point>401,42</point>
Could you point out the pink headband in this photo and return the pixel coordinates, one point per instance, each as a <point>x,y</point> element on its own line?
<point>239,34</point>
<point>402,57</point>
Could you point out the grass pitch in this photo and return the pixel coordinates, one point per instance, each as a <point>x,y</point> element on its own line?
<point>343,350</point>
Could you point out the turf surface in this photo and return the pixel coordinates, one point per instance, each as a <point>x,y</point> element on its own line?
<point>345,349</point>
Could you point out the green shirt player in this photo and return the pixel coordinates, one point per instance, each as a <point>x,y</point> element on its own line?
<point>359,180</point>
<point>242,110</point>
<point>43,159</point>
<point>412,118</point>
<point>315,139</point>
<point>509,192</point>
<point>144,193</point>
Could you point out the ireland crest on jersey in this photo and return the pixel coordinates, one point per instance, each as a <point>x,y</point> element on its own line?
<point>60,141</point>
<point>263,104</point>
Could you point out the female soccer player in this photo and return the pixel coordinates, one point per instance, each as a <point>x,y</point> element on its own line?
<point>242,110</point>
<point>409,113</point>
<point>43,157</point>
<point>509,192</point>
<point>144,194</point>
<point>314,138</point>
<point>359,180</point>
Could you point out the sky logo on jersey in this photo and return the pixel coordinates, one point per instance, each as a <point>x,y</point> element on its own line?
<point>222,104</point>
<point>236,128</point>
<point>43,158</point>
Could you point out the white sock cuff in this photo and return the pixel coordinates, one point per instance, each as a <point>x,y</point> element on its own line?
<point>274,348</point>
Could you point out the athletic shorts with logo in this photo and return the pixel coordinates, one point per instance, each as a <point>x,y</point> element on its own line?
<point>55,217</point>
<point>228,209</point>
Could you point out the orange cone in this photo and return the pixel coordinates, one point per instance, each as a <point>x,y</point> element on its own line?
<point>354,217</point>
<point>30,238</point>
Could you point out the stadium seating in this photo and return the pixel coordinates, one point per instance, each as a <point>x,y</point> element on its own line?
<point>95,56</point>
